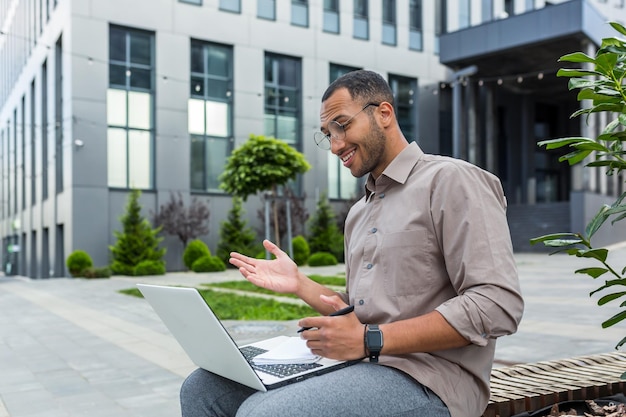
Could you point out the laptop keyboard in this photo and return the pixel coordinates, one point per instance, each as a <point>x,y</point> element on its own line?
<point>277,370</point>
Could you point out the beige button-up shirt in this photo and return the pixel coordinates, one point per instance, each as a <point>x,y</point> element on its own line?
<point>431,234</point>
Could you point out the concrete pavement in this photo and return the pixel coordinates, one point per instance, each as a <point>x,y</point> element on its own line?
<point>75,347</point>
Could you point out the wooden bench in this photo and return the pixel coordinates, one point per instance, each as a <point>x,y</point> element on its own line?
<point>531,386</point>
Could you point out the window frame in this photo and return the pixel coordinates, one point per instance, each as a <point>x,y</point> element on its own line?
<point>133,88</point>
<point>360,20</point>
<point>204,95</point>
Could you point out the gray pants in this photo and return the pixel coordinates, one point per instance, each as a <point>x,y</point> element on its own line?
<point>360,390</point>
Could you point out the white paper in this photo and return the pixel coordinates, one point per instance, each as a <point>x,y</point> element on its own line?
<point>293,350</point>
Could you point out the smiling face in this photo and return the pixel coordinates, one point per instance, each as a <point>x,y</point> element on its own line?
<point>362,150</point>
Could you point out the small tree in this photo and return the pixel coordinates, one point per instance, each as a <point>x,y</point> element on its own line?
<point>262,164</point>
<point>604,88</point>
<point>137,242</point>
<point>235,235</point>
<point>186,223</point>
<point>325,236</point>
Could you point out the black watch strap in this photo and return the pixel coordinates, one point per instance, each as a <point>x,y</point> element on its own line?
<point>373,341</point>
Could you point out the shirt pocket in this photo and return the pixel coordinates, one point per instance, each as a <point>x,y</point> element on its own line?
<point>406,264</point>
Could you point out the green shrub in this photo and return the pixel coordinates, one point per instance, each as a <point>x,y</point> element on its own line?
<point>77,262</point>
<point>322,259</point>
<point>301,250</point>
<point>149,268</point>
<point>137,242</point>
<point>325,235</point>
<point>235,235</point>
<point>261,255</point>
<point>97,272</point>
<point>208,263</point>
<point>195,249</point>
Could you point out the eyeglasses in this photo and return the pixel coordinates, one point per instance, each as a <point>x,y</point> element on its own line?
<point>336,130</point>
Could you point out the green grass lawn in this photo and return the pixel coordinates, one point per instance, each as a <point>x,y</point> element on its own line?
<point>229,306</point>
<point>334,281</point>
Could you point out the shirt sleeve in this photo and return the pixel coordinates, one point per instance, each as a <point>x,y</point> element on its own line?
<point>468,210</point>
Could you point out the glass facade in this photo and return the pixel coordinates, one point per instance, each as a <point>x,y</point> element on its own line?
<point>231,5</point>
<point>300,13</point>
<point>415,25</point>
<point>361,19</point>
<point>266,9</point>
<point>282,98</point>
<point>405,97</point>
<point>389,22</point>
<point>331,16</point>
<point>130,108</point>
<point>341,183</point>
<point>209,113</point>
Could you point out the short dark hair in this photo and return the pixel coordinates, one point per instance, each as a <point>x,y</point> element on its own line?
<point>363,85</point>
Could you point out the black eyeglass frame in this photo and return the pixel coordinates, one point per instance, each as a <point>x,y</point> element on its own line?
<point>323,141</point>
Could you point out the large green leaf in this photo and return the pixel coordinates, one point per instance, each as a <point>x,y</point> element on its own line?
<point>576,72</point>
<point>559,143</point>
<point>610,297</point>
<point>576,57</point>
<point>575,157</point>
<point>599,254</point>
<point>590,146</point>
<point>572,238</point>
<point>614,320</point>
<point>597,221</point>
<point>592,272</point>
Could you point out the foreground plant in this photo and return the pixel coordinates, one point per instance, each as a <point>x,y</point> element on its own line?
<point>603,88</point>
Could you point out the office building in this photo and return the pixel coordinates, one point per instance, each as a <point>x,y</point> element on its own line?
<point>101,97</point>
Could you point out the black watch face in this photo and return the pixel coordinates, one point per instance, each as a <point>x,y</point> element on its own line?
<point>374,340</point>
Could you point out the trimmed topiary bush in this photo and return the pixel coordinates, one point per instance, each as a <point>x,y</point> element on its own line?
<point>97,272</point>
<point>322,259</point>
<point>208,263</point>
<point>301,250</point>
<point>149,268</point>
<point>195,250</point>
<point>77,262</point>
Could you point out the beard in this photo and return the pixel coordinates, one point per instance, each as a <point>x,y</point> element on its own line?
<point>371,151</point>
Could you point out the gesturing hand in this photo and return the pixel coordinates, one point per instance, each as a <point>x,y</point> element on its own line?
<point>280,274</point>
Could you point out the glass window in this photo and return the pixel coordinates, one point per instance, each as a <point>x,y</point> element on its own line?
<point>139,105</point>
<point>117,160</point>
<point>44,130</point>
<point>231,5</point>
<point>116,107</point>
<point>331,16</point>
<point>282,98</point>
<point>389,22</point>
<point>415,25</point>
<point>441,25</point>
<point>195,116</point>
<point>464,13</point>
<point>361,19</point>
<point>130,109</point>
<point>341,183</point>
<point>487,10</point>
<point>300,13</point>
<point>209,113</point>
<point>405,98</point>
<point>139,153</point>
<point>266,9</point>
<point>198,2</point>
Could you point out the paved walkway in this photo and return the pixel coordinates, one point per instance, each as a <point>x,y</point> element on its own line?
<point>74,347</point>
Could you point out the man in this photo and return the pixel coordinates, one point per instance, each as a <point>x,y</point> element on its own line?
<point>430,272</point>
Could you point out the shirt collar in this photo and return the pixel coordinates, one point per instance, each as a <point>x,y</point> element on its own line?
<point>399,169</point>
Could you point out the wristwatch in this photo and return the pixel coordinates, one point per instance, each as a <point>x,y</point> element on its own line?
<point>373,341</point>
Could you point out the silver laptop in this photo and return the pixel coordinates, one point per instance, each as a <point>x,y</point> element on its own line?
<point>207,343</point>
